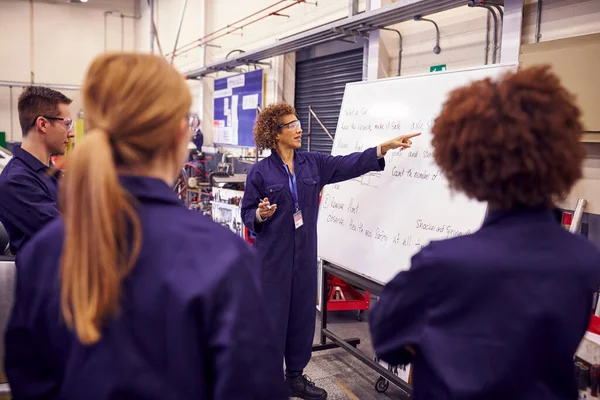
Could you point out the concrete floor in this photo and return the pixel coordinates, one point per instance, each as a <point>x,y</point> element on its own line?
<point>342,375</point>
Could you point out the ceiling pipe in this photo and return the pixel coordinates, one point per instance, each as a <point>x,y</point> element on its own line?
<point>199,41</point>
<point>384,16</point>
<point>231,28</point>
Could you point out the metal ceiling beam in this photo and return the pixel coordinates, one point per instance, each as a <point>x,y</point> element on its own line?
<point>403,10</point>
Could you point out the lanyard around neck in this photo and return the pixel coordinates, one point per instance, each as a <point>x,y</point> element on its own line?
<point>293,186</point>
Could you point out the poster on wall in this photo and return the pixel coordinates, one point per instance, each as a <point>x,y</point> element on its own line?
<point>236,99</point>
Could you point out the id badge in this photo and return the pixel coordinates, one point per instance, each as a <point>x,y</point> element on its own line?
<point>298,219</point>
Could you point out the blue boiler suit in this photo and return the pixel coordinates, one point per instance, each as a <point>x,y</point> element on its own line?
<point>28,197</point>
<point>191,323</point>
<point>288,256</point>
<point>494,315</point>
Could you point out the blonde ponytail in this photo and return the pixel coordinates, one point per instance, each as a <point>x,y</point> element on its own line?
<point>102,237</point>
<point>134,105</point>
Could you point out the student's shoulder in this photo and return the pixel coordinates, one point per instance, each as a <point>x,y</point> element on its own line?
<point>13,173</point>
<point>210,257</point>
<point>40,256</point>
<point>201,229</point>
<point>583,251</point>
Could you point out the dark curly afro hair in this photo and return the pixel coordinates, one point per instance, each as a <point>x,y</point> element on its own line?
<point>267,124</point>
<point>512,143</point>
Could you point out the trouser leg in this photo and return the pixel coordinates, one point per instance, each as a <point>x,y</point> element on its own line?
<point>302,317</point>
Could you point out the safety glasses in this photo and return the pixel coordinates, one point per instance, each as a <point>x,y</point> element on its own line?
<point>294,125</point>
<point>67,121</point>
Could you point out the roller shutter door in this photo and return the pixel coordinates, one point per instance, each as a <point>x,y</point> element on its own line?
<point>320,83</point>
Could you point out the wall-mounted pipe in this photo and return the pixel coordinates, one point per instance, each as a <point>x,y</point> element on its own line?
<point>117,14</point>
<point>437,49</point>
<point>538,21</point>
<point>488,22</point>
<point>179,30</point>
<point>12,112</point>
<point>151,12</point>
<point>491,11</point>
<point>122,32</point>
<point>500,29</point>
<point>234,51</point>
<point>399,47</point>
<point>48,85</point>
<point>352,8</point>
<point>31,43</point>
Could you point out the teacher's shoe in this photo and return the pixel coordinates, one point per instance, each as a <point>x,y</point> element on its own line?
<point>304,388</point>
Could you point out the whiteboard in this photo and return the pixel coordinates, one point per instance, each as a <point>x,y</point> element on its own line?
<point>374,224</point>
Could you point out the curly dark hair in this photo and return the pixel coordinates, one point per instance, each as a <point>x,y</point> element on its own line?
<point>512,143</point>
<point>267,124</point>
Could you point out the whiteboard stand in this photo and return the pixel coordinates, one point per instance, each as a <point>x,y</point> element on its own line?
<point>350,344</point>
<point>578,217</point>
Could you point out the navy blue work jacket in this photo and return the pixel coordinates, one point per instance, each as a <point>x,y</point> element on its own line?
<point>28,197</point>
<point>494,315</point>
<point>192,322</point>
<point>288,256</point>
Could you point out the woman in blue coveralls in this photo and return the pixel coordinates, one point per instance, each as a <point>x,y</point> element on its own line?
<point>498,314</point>
<point>130,295</point>
<point>280,205</point>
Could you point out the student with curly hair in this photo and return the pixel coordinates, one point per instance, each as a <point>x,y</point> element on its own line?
<point>498,314</point>
<point>280,205</point>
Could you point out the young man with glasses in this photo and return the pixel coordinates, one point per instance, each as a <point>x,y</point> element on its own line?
<point>28,192</point>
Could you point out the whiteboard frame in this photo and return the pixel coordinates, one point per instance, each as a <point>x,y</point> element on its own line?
<point>446,72</point>
<point>514,65</point>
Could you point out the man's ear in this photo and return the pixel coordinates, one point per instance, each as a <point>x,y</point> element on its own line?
<point>41,124</point>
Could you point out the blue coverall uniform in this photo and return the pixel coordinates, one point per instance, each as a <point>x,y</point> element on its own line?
<point>288,256</point>
<point>192,322</point>
<point>494,315</point>
<point>28,197</point>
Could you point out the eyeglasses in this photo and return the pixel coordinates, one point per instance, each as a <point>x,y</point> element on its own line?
<point>193,121</point>
<point>67,121</point>
<point>294,125</point>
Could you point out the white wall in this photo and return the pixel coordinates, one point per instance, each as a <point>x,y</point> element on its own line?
<point>167,17</point>
<point>463,33</point>
<point>55,44</point>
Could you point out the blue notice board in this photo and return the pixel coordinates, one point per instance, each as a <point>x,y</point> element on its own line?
<point>236,99</point>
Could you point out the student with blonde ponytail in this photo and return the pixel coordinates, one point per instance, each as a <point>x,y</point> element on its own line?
<point>130,295</point>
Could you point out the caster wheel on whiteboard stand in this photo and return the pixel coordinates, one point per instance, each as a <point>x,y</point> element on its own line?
<point>359,315</point>
<point>382,385</point>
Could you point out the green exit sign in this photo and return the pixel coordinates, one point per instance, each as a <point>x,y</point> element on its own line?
<point>437,68</point>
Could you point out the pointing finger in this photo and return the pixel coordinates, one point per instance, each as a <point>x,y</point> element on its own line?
<point>412,135</point>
